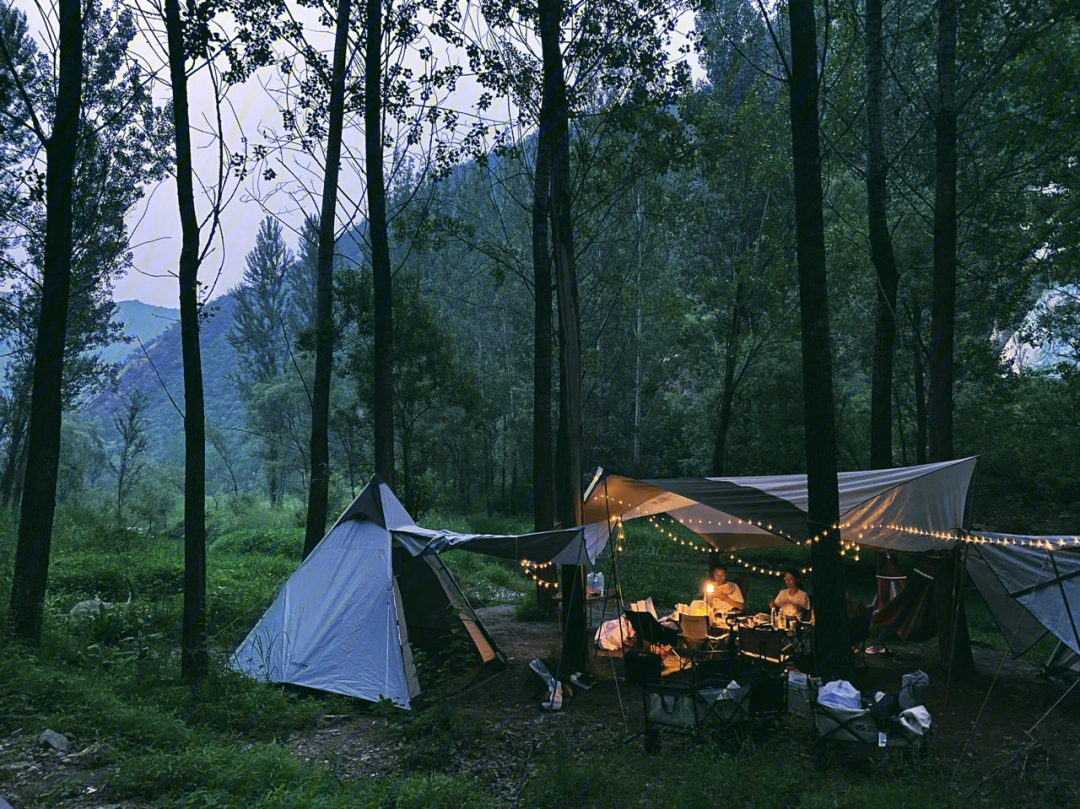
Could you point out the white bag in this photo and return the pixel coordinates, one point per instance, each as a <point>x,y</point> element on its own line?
<point>612,634</point>
<point>916,720</point>
<point>554,700</point>
<point>840,694</point>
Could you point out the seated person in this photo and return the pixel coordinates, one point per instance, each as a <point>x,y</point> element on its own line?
<point>726,596</point>
<point>792,601</point>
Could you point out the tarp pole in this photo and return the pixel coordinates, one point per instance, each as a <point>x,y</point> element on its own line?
<point>614,564</point>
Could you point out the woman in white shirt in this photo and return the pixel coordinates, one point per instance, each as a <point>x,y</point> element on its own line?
<point>791,601</point>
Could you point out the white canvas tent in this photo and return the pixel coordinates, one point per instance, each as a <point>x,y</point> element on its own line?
<point>374,591</point>
<point>909,509</point>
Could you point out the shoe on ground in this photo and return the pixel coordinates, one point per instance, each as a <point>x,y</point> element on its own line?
<point>584,681</point>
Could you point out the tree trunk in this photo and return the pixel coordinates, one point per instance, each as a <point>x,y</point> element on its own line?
<point>46,402</point>
<point>194,663</point>
<point>943,301</point>
<point>543,486</point>
<point>954,647</point>
<point>380,249</point>
<point>881,249</point>
<point>727,395</point>
<point>318,491</point>
<point>920,409</point>
<point>568,470</point>
<point>918,353</point>
<point>17,430</point>
<point>831,632</point>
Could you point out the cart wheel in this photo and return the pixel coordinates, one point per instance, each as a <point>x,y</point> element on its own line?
<point>652,741</point>
<point>821,756</point>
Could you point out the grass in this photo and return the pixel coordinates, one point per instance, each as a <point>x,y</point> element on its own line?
<point>111,678</point>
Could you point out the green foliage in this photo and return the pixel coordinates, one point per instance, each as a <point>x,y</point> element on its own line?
<point>149,572</point>
<point>484,580</point>
<point>526,608</point>
<point>270,542</point>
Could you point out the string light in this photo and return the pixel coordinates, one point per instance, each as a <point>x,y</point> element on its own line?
<point>528,568</point>
<point>764,570</point>
<point>847,546</point>
<point>690,544</point>
<point>741,562</point>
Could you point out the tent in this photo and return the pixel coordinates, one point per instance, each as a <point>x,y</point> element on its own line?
<point>908,509</point>
<point>1031,585</point>
<point>374,592</point>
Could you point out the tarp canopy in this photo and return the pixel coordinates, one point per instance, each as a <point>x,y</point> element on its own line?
<point>569,546</point>
<point>908,509</point>
<point>574,546</point>
<point>1031,584</point>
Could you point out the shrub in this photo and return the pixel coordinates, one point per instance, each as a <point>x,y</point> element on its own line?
<point>284,542</point>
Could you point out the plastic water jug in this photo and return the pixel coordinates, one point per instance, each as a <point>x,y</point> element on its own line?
<point>600,582</point>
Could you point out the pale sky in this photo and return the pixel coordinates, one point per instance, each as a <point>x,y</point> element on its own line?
<point>155,224</point>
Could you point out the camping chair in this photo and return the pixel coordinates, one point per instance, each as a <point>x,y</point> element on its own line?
<point>743,582</point>
<point>862,727</point>
<point>651,632</point>
<point>693,636</point>
<point>763,646</point>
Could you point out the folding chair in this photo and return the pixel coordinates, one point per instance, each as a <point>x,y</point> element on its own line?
<point>693,633</point>
<point>651,632</point>
<point>743,582</point>
<point>763,646</point>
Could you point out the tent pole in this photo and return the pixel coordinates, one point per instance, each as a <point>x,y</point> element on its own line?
<point>614,564</point>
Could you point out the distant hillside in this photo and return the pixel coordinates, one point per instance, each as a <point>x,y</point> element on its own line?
<point>140,320</point>
<point>223,407</point>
